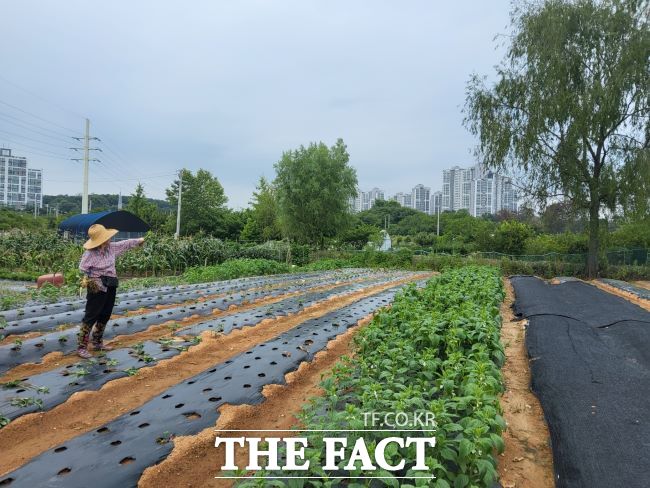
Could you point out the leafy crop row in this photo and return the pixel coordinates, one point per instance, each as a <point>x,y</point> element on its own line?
<point>437,349</point>
<point>45,252</point>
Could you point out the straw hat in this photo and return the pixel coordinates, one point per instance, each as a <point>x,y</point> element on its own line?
<point>98,235</point>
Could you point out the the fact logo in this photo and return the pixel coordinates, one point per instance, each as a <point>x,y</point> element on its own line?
<point>387,434</point>
<point>335,452</point>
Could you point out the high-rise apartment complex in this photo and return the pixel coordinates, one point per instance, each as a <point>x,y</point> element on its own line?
<point>457,188</point>
<point>404,199</point>
<point>421,198</point>
<point>20,186</point>
<point>477,190</point>
<point>436,202</point>
<point>365,200</point>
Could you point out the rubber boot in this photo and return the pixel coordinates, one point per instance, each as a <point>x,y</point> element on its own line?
<point>98,334</point>
<point>82,339</point>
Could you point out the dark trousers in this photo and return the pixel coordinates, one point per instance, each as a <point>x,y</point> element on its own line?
<point>99,307</point>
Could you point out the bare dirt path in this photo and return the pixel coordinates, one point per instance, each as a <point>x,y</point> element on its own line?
<point>195,461</point>
<point>32,434</point>
<point>527,461</point>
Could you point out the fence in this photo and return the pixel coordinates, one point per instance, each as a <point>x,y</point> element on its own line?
<point>636,257</point>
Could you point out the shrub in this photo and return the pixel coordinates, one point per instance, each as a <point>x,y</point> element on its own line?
<point>511,236</point>
<point>235,268</point>
<point>326,264</point>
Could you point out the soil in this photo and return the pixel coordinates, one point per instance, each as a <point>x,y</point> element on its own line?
<point>630,297</point>
<point>195,461</point>
<point>57,359</point>
<point>35,433</point>
<point>139,311</point>
<point>642,284</point>
<point>527,461</point>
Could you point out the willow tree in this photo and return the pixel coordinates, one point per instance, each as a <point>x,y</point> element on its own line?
<point>569,111</point>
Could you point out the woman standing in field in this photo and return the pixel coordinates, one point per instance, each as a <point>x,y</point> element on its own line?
<point>98,264</point>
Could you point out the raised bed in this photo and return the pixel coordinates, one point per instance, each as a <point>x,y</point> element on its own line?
<point>63,382</point>
<point>33,350</point>
<point>44,322</point>
<point>590,366</point>
<point>47,390</point>
<point>628,287</point>
<point>118,452</point>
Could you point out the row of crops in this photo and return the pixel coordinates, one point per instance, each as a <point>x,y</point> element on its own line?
<point>437,349</point>
<point>44,251</point>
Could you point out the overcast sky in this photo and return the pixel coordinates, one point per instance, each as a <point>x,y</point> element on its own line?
<point>228,86</point>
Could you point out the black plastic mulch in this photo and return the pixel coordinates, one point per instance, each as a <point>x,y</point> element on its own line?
<point>91,375</point>
<point>28,395</point>
<point>117,453</point>
<point>33,350</point>
<point>75,311</point>
<point>39,309</point>
<point>590,365</point>
<point>629,287</point>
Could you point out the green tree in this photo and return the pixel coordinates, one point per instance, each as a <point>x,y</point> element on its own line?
<point>314,185</point>
<point>561,217</point>
<point>138,201</point>
<point>510,237</point>
<point>571,106</point>
<point>360,235</point>
<point>203,204</point>
<point>138,204</point>
<point>395,213</point>
<point>263,224</point>
<point>460,228</point>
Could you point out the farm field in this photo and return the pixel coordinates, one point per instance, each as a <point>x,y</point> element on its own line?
<point>312,352</point>
<point>180,354</point>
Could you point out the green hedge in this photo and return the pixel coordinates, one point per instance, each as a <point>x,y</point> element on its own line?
<point>235,268</point>
<point>543,269</point>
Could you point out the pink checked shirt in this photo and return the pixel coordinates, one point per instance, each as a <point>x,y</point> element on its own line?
<point>96,263</point>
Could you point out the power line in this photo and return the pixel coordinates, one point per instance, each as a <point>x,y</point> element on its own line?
<point>40,97</point>
<point>167,175</point>
<point>109,171</point>
<point>121,159</point>
<point>38,117</point>
<point>32,150</point>
<point>33,140</point>
<point>125,168</point>
<point>22,126</point>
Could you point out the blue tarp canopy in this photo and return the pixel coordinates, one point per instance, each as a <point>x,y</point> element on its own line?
<point>124,221</point>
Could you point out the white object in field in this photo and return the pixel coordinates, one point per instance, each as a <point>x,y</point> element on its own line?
<point>386,243</point>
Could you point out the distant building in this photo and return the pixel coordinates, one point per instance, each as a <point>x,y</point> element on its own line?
<point>477,190</point>
<point>421,198</point>
<point>492,194</point>
<point>20,186</point>
<point>507,195</point>
<point>404,199</point>
<point>365,200</point>
<point>484,196</point>
<point>372,196</point>
<point>355,202</point>
<point>457,188</point>
<point>436,202</point>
